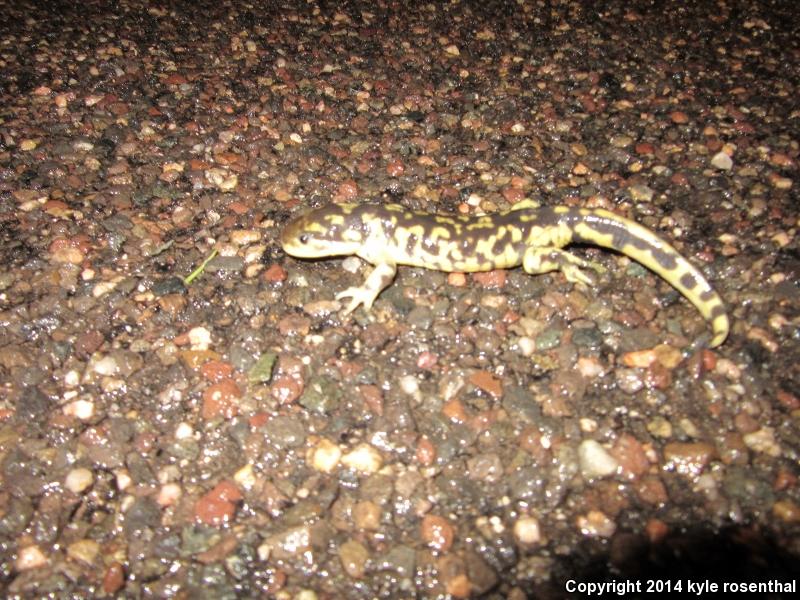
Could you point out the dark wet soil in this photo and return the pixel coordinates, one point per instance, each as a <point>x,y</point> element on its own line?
<point>231,434</point>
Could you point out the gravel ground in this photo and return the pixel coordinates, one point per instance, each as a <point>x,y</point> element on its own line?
<point>228,434</point>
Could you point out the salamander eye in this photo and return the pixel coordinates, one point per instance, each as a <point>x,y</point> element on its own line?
<point>303,238</point>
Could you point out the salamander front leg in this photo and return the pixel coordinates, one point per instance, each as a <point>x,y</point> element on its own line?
<point>376,281</point>
<point>544,260</point>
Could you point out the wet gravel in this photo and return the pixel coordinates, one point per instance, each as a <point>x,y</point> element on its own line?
<point>230,435</point>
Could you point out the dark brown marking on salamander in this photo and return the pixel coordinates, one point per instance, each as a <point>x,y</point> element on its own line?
<point>717,311</point>
<point>688,281</point>
<point>501,242</point>
<point>429,244</point>
<point>707,295</point>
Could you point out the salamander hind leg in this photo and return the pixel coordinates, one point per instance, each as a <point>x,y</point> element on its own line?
<point>539,260</point>
<point>365,294</point>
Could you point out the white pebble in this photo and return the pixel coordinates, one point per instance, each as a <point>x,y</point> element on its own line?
<point>590,367</point>
<point>264,551</point>
<point>79,480</point>
<point>169,494</point>
<point>527,531</point>
<point>123,479</point>
<point>106,366</point>
<point>364,459</point>
<point>722,161</point>
<point>199,338</point>
<point>595,461</point>
<point>72,378</point>
<point>103,288</point>
<point>325,456</point>
<point>245,477</point>
<point>409,384</point>
<point>80,409</point>
<point>30,557</point>
<point>83,146</point>
<point>527,345</point>
<point>183,431</point>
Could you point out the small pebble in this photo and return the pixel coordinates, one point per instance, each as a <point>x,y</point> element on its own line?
<point>79,480</point>
<point>184,431</point>
<point>722,161</point>
<point>590,367</point>
<point>629,380</point>
<point>123,479</point>
<point>218,506</point>
<point>275,273</point>
<point>488,383</point>
<point>325,456</point>
<point>660,427</point>
<point>409,384</point>
<point>763,441</point>
<point>245,477</point>
<point>452,50</point>
<point>639,358</point>
<point>80,409</point>
<point>437,532</point>
<point>106,366</point>
<point>780,183</point>
<point>595,461</point>
<point>787,511</point>
<point>30,557</point>
<point>169,494</point>
<point>242,237</point>
<point>84,551</point>
<point>527,531</point>
<point>199,338</point>
<point>426,452</point>
<point>114,578</point>
<point>651,490</point>
<point>688,458</point>
<point>679,117</point>
<point>286,389</point>
<point>364,459</point>
<point>596,524</point>
<point>221,400</point>
<point>367,515</point>
<point>621,141</point>
<point>641,193</point>
<point>457,279</point>
<point>353,556</point>
<point>631,456</point>
<point>491,279</point>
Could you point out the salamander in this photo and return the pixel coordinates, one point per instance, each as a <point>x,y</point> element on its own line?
<point>387,235</point>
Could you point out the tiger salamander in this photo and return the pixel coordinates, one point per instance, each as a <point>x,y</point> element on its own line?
<point>390,235</point>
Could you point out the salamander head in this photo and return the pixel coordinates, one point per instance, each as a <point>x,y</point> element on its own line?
<point>332,230</point>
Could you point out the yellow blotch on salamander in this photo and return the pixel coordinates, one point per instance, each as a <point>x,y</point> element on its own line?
<point>527,235</point>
